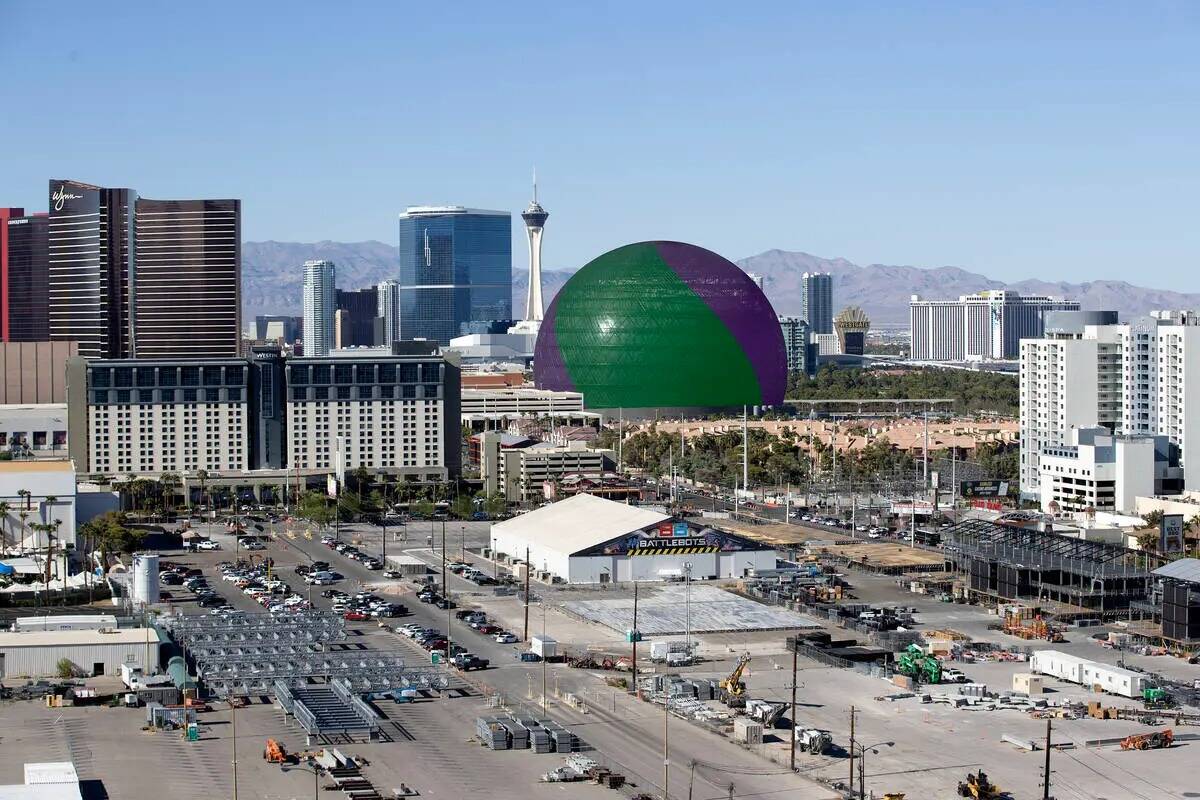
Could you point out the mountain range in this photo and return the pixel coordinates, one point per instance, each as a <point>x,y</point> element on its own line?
<point>272,281</point>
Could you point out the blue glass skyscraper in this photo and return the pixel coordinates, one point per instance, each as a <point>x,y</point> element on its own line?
<point>455,267</point>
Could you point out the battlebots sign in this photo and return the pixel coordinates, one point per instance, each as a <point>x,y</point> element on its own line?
<point>674,537</point>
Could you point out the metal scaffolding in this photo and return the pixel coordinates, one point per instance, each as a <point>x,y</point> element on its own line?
<point>1010,562</point>
<point>255,653</point>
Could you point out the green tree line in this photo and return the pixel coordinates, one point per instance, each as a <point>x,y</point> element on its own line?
<point>971,391</point>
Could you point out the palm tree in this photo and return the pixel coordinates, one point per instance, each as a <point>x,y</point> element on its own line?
<point>24,515</point>
<point>4,509</point>
<point>202,476</point>
<point>169,482</point>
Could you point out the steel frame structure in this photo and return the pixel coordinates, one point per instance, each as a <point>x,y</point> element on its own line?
<point>254,653</point>
<point>1095,576</point>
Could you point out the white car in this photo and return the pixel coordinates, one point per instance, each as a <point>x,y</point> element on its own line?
<point>506,638</point>
<point>208,544</point>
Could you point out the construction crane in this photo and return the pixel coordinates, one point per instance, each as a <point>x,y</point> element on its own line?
<point>978,787</point>
<point>733,687</point>
<point>1148,741</point>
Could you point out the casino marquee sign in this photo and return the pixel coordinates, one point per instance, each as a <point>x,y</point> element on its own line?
<point>674,537</point>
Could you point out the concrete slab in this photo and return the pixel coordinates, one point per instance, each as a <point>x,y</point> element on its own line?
<point>664,611</point>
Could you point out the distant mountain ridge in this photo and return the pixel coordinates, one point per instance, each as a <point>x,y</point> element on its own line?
<point>883,291</point>
<point>272,281</point>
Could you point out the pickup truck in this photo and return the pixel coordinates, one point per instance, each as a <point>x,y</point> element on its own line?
<point>468,661</point>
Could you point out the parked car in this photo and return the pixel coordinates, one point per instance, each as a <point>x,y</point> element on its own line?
<point>392,574</point>
<point>355,616</point>
<point>504,637</point>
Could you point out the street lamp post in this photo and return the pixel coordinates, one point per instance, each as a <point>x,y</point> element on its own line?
<point>862,769</point>
<point>314,769</point>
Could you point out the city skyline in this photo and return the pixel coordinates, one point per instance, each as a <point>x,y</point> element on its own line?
<point>1043,121</point>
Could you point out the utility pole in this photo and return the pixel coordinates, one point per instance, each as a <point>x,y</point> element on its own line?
<point>837,498</point>
<point>925,453</point>
<point>666,745</point>
<point>1046,776</point>
<point>446,594</point>
<point>745,451</point>
<point>545,701</point>
<point>620,441</point>
<point>687,593</point>
<point>525,631</point>
<point>233,731</point>
<point>637,691</point>
<point>852,713</point>
<point>795,727</point>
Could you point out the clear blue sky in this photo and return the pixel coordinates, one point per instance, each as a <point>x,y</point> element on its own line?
<point>1051,140</point>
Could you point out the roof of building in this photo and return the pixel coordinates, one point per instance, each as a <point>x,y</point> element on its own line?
<point>54,780</point>
<point>407,559</point>
<point>22,565</point>
<point>1185,569</point>
<point>41,791</point>
<point>49,622</point>
<point>51,772</point>
<point>579,522</point>
<point>48,465</point>
<point>1069,658</point>
<point>69,638</point>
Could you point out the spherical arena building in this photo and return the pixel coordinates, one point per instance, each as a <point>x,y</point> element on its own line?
<point>662,325</point>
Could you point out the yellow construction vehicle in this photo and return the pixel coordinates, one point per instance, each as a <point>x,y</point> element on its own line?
<point>978,787</point>
<point>733,688</point>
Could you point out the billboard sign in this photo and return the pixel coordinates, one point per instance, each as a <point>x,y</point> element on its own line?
<point>984,488</point>
<point>1170,534</point>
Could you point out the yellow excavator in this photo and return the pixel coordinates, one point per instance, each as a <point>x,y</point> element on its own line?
<point>733,688</point>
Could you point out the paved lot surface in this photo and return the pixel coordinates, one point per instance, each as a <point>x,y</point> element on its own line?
<point>664,610</point>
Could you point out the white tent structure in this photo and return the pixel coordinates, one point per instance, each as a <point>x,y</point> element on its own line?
<point>587,539</point>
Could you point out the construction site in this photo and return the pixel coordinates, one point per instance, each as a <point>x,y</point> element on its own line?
<point>1077,578</point>
<point>822,678</point>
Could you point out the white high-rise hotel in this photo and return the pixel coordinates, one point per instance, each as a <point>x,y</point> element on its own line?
<point>1135,378</point>
<point>984,326</point>
<point>320,301</point>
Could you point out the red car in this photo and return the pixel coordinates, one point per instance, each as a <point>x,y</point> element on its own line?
<point>489,629</point>
<point>355,616</point>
